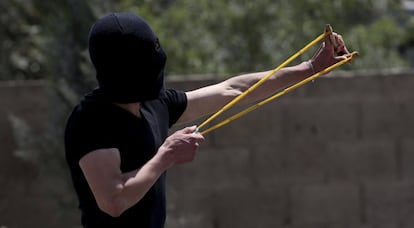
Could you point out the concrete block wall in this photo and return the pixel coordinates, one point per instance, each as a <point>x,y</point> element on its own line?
<point>23,199</point>
<point>336,153</point>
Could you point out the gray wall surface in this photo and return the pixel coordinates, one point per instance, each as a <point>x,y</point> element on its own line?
<point>336,153</point>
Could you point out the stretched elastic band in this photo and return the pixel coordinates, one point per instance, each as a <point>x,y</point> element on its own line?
<point>279,94</point>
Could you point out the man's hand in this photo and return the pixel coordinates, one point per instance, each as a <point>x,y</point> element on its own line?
<point>181,146</point>
<point>328,54</point>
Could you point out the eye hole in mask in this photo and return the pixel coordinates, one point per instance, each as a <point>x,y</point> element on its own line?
<point>157,45</point>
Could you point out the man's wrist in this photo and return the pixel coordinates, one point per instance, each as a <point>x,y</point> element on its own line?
<point>163,158</point>
<point>311,67</point>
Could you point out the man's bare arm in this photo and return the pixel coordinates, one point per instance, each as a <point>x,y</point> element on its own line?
<point>210,99</point>
<point>115,191</point>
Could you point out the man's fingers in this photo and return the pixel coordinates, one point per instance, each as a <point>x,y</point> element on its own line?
<point>189,130</point>
<point>336,43</point>
<point>340,58</point>
<point>343,57</point>
<point>341,48</point>
<point>195,137</point>
<point>328,41</point>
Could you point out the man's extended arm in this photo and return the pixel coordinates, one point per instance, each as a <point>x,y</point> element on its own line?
<point>210,99</point>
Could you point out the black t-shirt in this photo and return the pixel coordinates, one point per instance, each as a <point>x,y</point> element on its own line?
<point>96,124</point>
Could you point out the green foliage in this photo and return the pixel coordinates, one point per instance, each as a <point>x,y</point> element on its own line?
<point>20,54</point>
<point>47,39</point>
<point>237,36</point>
<point>379,42</point>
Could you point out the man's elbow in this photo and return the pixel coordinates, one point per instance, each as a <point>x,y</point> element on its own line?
<point>112,207</point>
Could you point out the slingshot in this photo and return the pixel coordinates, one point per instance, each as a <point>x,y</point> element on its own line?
<point>328,32</point>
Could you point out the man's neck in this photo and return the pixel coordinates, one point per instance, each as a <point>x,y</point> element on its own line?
<point>132,108</point>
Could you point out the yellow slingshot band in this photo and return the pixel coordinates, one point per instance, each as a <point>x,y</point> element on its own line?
<point>328,31</point>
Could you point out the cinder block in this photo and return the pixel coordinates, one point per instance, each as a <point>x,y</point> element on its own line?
<point>312,225</point>
<point>28,101</point>
<point>409,223</point>
<point>387,119</point>
<point>345,88</point>
<point>190,207</point>
<point>305,161</point>
<point>398,87</point>
<point>188,220</point>
<point>268,164</point>
<point>353,225</point>
<point>365,87</point>
<point>30,104</point>
<point>407,158</point>
<point>251,207</point>
<point>333,203</point>
<point>261,126</point>
<point>296,163</point>
<point>406,115</point>
<point>247,206</point>
<point>215,169</point>
<point>321,120</point>
<point>34,210</point>
<point>358,161</point>
<point>389,202</point>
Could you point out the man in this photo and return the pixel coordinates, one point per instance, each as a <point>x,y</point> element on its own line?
<point>116,141</point>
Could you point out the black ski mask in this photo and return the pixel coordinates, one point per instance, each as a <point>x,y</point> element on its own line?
<point>128,59</point>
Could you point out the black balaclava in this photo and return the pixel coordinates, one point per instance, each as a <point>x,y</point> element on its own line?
<point>128,58</point>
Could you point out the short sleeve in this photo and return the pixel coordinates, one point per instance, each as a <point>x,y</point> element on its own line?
<point>177,103</point>
<point>85,133</point>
